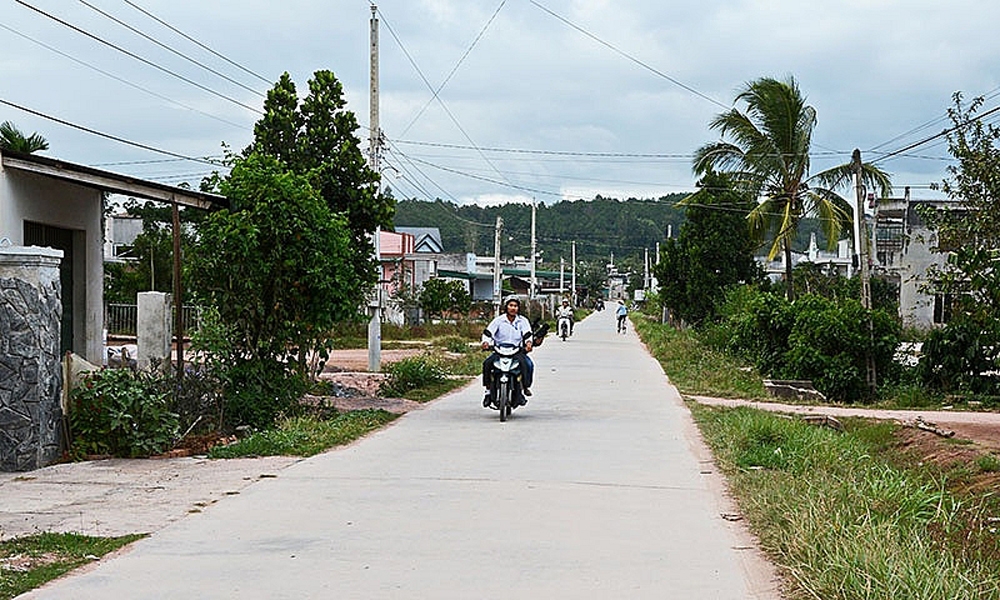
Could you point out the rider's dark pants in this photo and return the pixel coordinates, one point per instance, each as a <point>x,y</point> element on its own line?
<point>525,365</point>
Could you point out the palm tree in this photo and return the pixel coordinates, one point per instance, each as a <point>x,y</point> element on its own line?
<point>13,140</point>
<point>768,159</point>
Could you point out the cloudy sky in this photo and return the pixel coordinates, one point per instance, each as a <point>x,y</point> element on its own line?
<point>545,99</point>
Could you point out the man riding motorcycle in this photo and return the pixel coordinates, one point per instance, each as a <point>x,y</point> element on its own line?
<point>565,312</point>
<point>509,328</point>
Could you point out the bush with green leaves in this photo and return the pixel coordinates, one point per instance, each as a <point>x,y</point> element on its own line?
<point>830,342</point>
<point>121,413</point>
<point>823,340</point>
<point>410,374</point>
<point>963,356</point>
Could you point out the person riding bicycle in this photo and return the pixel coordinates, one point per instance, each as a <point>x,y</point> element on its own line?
<point>566,311</point>
<point>509,328</point>
<point>621,313</point>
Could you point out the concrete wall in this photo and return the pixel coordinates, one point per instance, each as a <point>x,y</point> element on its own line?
<point>49,201</point>
<point>916,308</point>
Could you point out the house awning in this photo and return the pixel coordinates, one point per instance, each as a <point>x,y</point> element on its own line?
<point>111,182</point>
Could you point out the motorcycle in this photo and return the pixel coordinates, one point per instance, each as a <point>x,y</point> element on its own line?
<point>505,380</point>
<point>564,328</point>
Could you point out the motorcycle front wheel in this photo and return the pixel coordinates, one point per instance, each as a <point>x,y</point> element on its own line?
<point>503,400</point>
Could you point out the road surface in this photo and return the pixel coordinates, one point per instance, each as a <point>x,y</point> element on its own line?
<point>599,488</point>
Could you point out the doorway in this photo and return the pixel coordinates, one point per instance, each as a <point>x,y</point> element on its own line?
<point>37,234</point>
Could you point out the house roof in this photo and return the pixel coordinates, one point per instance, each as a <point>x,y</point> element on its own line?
<point>111,182</point>
<point>427,239</point>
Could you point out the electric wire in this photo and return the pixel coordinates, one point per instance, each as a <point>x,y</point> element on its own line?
<point>628,56</point>
<point>196,42</point>
<point>123,80</point>
<point>137,57</point>
<point>437,92</point>
<point>952,129</point>
<point>438,98</point>
<point>404,169</point>
<point>168,48</point>
<point>107,135</point>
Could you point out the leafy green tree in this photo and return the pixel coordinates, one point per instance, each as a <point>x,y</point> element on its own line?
<point>592,276</point>
<point>12,139</point>
<point>273,268</point>
<point>317,139</point>
<point>768,158</point>
<point>150,259</point>
<point>961,355</point>
<point>712,252</point>
<point>440,295</point>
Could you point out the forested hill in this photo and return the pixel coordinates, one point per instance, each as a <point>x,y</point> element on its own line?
<point>599,227</point>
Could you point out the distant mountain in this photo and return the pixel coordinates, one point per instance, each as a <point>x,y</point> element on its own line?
<point>599,227</point>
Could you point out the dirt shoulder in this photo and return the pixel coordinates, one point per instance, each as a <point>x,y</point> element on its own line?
<point>981,428</point>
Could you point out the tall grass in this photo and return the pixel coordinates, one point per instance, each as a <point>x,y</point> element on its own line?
<point>843,523</point>
<point>694,367</point>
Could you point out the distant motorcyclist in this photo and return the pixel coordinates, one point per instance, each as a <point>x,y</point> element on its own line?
<point>566,311</point>
<point>509,328</point>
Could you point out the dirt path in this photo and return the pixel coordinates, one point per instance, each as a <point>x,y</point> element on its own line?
<point>983,428</point>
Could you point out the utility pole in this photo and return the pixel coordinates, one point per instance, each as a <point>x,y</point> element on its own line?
<point>645,267</point>
<point>861,251</point>
<point>375,305</point>
<point>534,253</point>
<point>497,277</point>
<point>178,293</point>
<point>562,275</point>
<point>573,285</point>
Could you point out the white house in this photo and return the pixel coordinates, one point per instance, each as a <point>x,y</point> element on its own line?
<point>905,253</point>
<point>52,203</point>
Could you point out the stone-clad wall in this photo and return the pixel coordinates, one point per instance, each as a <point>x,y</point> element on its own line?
<point>30,373</point>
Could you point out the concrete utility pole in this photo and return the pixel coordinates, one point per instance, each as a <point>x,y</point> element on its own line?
<point>178,293</point>
<point>534,252</point>
<point>562,275</point>
<point>497,276</point>
<point>861,252</point>
<point>645,267</point>
<point>375,305</point>
<point>573,285</point>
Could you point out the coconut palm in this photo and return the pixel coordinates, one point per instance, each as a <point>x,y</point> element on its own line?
<point>13,140</point>
<point>768,158</point>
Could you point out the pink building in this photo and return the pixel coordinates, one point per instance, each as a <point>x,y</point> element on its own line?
<point>394,259</point>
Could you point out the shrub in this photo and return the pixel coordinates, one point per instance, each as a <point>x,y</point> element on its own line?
<point>829,344</point>
<point>409,374</point>
<point>121,413</point>
<point>963,356</point>
<point>258,393</point>
<point>814,338</point>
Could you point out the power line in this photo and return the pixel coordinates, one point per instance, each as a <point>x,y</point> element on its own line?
<point>455,68</point>
<point>196,42</point>
<point>106,135</point>
<point>629,56</point>
<point>122,80</point>
<point>137,57</point>
<point>437,97</point>
<point>937,135</point>
<point>168,48</point>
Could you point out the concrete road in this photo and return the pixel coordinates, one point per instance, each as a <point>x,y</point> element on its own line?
<point>597,489</point>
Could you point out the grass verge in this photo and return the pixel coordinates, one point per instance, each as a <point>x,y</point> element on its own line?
<point>306,435</point>
<point>842,519</point>
<point>28,562</point>
<point>693,367</point>
<point>843,515</point>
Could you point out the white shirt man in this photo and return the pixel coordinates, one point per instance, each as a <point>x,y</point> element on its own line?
<point>509,328</point>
